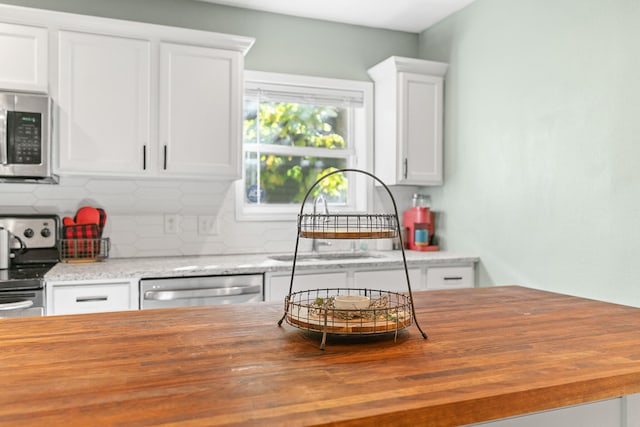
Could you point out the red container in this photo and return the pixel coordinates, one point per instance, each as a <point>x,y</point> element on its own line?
<point>419,229</point>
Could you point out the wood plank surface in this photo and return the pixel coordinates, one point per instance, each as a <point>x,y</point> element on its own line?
<point>491,353</point>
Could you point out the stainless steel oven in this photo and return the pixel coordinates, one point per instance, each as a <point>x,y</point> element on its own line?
<point>33,252</point>
<point>21,303</point>
<point>200,290</point>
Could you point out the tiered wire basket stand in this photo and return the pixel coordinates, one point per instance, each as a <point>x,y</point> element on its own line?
<point>384,312</point>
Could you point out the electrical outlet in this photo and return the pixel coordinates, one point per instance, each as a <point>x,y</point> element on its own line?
<point>170,224</point>
<point>207,225</point>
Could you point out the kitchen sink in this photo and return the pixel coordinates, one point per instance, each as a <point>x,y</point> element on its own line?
<point>326,256</point>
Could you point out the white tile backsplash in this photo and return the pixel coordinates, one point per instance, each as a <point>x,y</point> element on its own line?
<point>136,213</point>
<point>19,199</point>
<point>136,209</point>
<point>110,186</point>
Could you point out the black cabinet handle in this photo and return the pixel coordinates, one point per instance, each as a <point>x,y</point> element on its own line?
<point>165,157</point>
<point>92,299</point>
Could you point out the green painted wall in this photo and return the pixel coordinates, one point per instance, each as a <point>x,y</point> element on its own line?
<point>542,143</point>
<point>283,43</point>
<point>542,158</point>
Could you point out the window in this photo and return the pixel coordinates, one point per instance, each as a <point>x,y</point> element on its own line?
<point>297,129</point>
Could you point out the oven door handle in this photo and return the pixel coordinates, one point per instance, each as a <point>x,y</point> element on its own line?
<point>19,305</point>
<point>170,295</point>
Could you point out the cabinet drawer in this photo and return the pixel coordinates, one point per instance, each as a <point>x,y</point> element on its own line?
<point>78,299</point>
<point>450,277</point>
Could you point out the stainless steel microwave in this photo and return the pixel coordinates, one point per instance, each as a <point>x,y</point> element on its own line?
<point>25,138</point>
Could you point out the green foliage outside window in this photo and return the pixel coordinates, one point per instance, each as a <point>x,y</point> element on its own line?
<point>287,178</point>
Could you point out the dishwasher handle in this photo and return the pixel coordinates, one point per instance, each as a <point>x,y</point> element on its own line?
<point>170,295</point>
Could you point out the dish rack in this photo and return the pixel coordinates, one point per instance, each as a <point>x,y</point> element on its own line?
<point>315,310</point>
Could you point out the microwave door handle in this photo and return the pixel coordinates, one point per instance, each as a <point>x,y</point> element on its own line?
<point>3,137</point>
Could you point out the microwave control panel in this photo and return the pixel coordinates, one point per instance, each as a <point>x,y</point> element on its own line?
<point>24,145</point>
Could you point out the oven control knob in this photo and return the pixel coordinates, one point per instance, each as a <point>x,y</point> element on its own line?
<point>28,233</point>
<point>45,232</point>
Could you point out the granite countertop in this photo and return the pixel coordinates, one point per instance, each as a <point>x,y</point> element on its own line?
<point>181,266</point>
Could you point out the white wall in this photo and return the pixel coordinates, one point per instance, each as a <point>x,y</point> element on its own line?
<point>542,150</point>
<point>284,44</point>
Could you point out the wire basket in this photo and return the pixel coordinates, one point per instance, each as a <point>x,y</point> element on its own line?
<point>348,226</point>
<point>83,250</point>
<point>315,310</point>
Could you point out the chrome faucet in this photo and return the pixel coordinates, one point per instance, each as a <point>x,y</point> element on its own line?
<point>315,243</point>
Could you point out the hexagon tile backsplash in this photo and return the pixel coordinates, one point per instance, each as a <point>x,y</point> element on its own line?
<point>155,218</point>
<point>166,218</point>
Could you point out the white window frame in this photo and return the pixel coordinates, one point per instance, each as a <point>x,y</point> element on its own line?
<point>360,135</point>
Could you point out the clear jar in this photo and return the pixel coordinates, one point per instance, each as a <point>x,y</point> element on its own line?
<point>421,200</point>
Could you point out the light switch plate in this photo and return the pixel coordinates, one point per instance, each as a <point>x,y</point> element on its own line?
<point>207,225</point>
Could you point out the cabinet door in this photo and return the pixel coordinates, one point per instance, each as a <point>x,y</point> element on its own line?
<point>24,53</point>
<point>277,287</point>
<point>200,111</point>
<point>420,130</point>
<point>76,297</point>
<point>104,87</point>
<point>389,280</point>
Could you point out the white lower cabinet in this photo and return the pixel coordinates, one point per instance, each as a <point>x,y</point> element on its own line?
<point>604,413</point>
<point>277,284</point>
<point>631,410</point>
<point>95,296</point>
<point>389,279</point>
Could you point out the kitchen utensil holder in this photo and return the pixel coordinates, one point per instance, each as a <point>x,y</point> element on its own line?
<point>313,310</point>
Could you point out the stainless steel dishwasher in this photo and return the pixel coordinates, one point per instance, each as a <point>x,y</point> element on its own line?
<point>200,290</point>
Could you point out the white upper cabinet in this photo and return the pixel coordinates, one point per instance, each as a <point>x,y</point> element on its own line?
<point>103,104</point>
<point>24,53</point>
<point>408,120</point>
<point>200,111</point>
<point>129,103</point>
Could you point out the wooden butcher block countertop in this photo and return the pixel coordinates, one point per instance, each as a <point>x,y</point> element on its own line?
<point>491,353</point>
